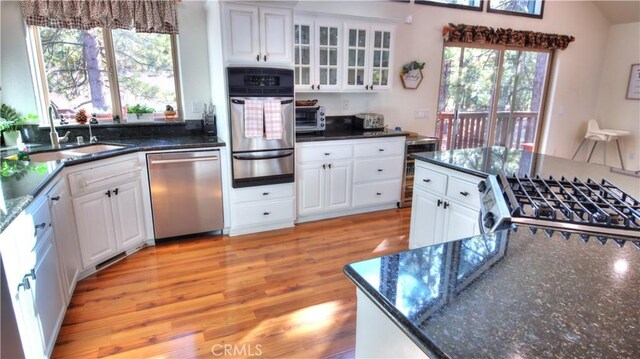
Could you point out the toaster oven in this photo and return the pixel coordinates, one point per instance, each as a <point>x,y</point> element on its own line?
<point>310,119</point>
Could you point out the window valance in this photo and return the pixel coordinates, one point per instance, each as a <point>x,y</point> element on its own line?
<point>155,16</point>
<point>509,37</point>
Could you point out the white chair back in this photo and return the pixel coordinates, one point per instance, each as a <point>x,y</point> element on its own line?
<point>594,133</point>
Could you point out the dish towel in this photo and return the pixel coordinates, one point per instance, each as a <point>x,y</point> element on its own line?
<point>253,119</point>
<point>273,119</point>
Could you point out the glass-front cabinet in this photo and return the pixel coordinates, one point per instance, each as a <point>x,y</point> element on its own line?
<point>317,54</point>
<point>368,56</point>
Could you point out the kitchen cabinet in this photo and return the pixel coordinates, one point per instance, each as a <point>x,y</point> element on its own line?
<point>445,205</point>
<point>109,209</point>
<point>368,55</point>
<point>32,269</point>
<point>66,236</point>
<point>317,54</point>
<point>257,35</point>
<point>261,208</point>
<point>336,178</point>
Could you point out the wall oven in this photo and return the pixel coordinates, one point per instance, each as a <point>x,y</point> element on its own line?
<point>258,159</point>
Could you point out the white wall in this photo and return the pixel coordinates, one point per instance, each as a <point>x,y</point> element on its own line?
<point>614,110</point>
<point>576,77</point>
<point>15,76</point>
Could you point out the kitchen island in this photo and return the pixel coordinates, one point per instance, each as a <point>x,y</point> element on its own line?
<point>519,293</point>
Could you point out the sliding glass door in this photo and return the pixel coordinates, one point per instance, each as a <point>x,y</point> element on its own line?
<point>490,97</point>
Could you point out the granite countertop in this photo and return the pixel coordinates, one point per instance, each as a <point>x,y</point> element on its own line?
<point>21,181</point>
<point>490,160</point>
<point>340,130</point>
<point>512,294</point>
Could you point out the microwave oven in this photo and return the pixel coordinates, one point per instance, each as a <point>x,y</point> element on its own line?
<point>310,119</point>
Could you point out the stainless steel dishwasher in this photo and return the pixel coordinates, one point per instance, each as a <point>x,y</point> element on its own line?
<point>186,192</point>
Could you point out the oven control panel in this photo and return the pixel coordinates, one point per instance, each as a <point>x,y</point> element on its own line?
<point>494,213</point>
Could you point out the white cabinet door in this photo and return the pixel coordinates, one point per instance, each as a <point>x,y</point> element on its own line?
<point>356,57</point>
<point>276,27</point>
<point>338,188</point>
<point>128,215</point>
<point>461,222</point>
<point>304,65</point>
<point>67,245</point>
<point>327,52</point>
<point>381,57</point>
<point>47,292</point>
<point>426,219</point>
<point>242,33</point>
<point>94,219</point>
<point>311,188</point>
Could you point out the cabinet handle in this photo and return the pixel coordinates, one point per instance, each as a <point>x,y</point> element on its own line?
<point>378,194</point>
<point>380,170</point>
<point>318,86</point>
<point>25,284</point>
<point>371,87</point>
<point>266,213</point>
<point>115,191</point>
<point>265,193</point>
<point>31,274</point>
<point>426,180</point>
<point>258,57</point>
<point>329,165</point>
<point>439,203</point>
<point>56,198</point>
<point>465,193</point>
<point>108,193</point>
<point>313,87</point>
<point>264,58</point>
<point>366,87</point>
<point>446,204</point>
<point>380,149</point>
<point>324,166</point>
<point>37,227</point>
<point>327,153</point>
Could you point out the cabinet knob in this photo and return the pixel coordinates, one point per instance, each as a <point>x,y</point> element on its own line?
<point>380,170</point>
<point>366,87</point>
<point>464,193</point>
<point>380,149</point>
<point>264,58</point>
<point>115,191</point>
<point>318,86</point>
<point>56,198</point>
<point>371,87</point>
<point>266,213</point>
<point>313,87</point>
<point>258,57</point>
<point>378,194</point>
<point>329,165</point>
<point>426,180</point>
<point>265,193</point>
<point>324,166</point>
<point>108,193</point>
<point>37,227</point>
<point>439,203</point>
<point>446,204</point>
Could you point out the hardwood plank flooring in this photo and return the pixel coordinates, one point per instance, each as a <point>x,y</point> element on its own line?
<point>278,294</point>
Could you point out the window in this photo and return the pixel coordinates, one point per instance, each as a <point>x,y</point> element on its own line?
<point>458,4</point>
<point>106,71</point>
<point>529,8</point>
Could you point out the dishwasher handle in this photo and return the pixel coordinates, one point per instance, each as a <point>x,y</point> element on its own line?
<point>184,160</point>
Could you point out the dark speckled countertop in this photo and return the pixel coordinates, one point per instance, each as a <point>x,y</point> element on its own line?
<point>19,189</point>
<point>341,129</point>
<point>490,160</point>
<point>512,294</point>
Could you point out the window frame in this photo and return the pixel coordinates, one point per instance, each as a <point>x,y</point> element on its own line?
<point>42,88</point>
<point>480,6</point>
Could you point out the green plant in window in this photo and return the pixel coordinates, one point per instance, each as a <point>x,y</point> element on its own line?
<point>139,109</point>
<point>11,120</point>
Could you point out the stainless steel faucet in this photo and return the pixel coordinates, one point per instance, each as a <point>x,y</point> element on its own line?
<point>92,138</point>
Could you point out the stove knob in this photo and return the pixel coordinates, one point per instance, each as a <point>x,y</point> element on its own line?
<point>489,220</point>
<point>482,186</point>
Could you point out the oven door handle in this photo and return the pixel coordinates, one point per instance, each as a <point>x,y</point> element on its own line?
<point>262,156</point>
<point>241,102</point>
<point>480,224</point>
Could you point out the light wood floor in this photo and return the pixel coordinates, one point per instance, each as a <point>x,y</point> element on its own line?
<point>279,294</point>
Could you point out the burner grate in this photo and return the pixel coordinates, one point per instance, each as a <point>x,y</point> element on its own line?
<point>573,200</point>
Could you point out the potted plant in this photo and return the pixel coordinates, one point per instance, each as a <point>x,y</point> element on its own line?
<point>142,113</point>
<point>10,123</point>
<point>411,74</point>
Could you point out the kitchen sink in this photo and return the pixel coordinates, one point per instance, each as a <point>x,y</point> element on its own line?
<point>71,152</point>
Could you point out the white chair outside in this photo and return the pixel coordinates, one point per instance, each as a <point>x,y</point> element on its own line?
<point>596,134</point>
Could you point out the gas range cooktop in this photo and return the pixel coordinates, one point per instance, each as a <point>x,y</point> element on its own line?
<point>588,206</point>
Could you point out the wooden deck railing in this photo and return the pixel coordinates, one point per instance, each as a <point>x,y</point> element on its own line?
<point>471,129</point>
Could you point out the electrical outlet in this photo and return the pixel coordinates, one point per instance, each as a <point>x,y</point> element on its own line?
<point>421,114</point>
<point>195,107</point>
<point>345,104</point>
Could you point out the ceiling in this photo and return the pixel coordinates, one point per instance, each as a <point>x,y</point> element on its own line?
<point>620,12</point>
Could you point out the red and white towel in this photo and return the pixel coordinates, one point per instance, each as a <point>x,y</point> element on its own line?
<point>272,119</point>
<point>253,119</point>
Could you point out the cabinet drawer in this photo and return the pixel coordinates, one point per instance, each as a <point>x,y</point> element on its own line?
<point>378,169</point>
<point>103,176</point>
<point>260,213</point>
<point>430,180</point>
<point>464,192</point>
<point>379,149</point>
<point>41,217</point>
<point>376,193</point>
<point>329,152</point>
<point>262,193</point>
